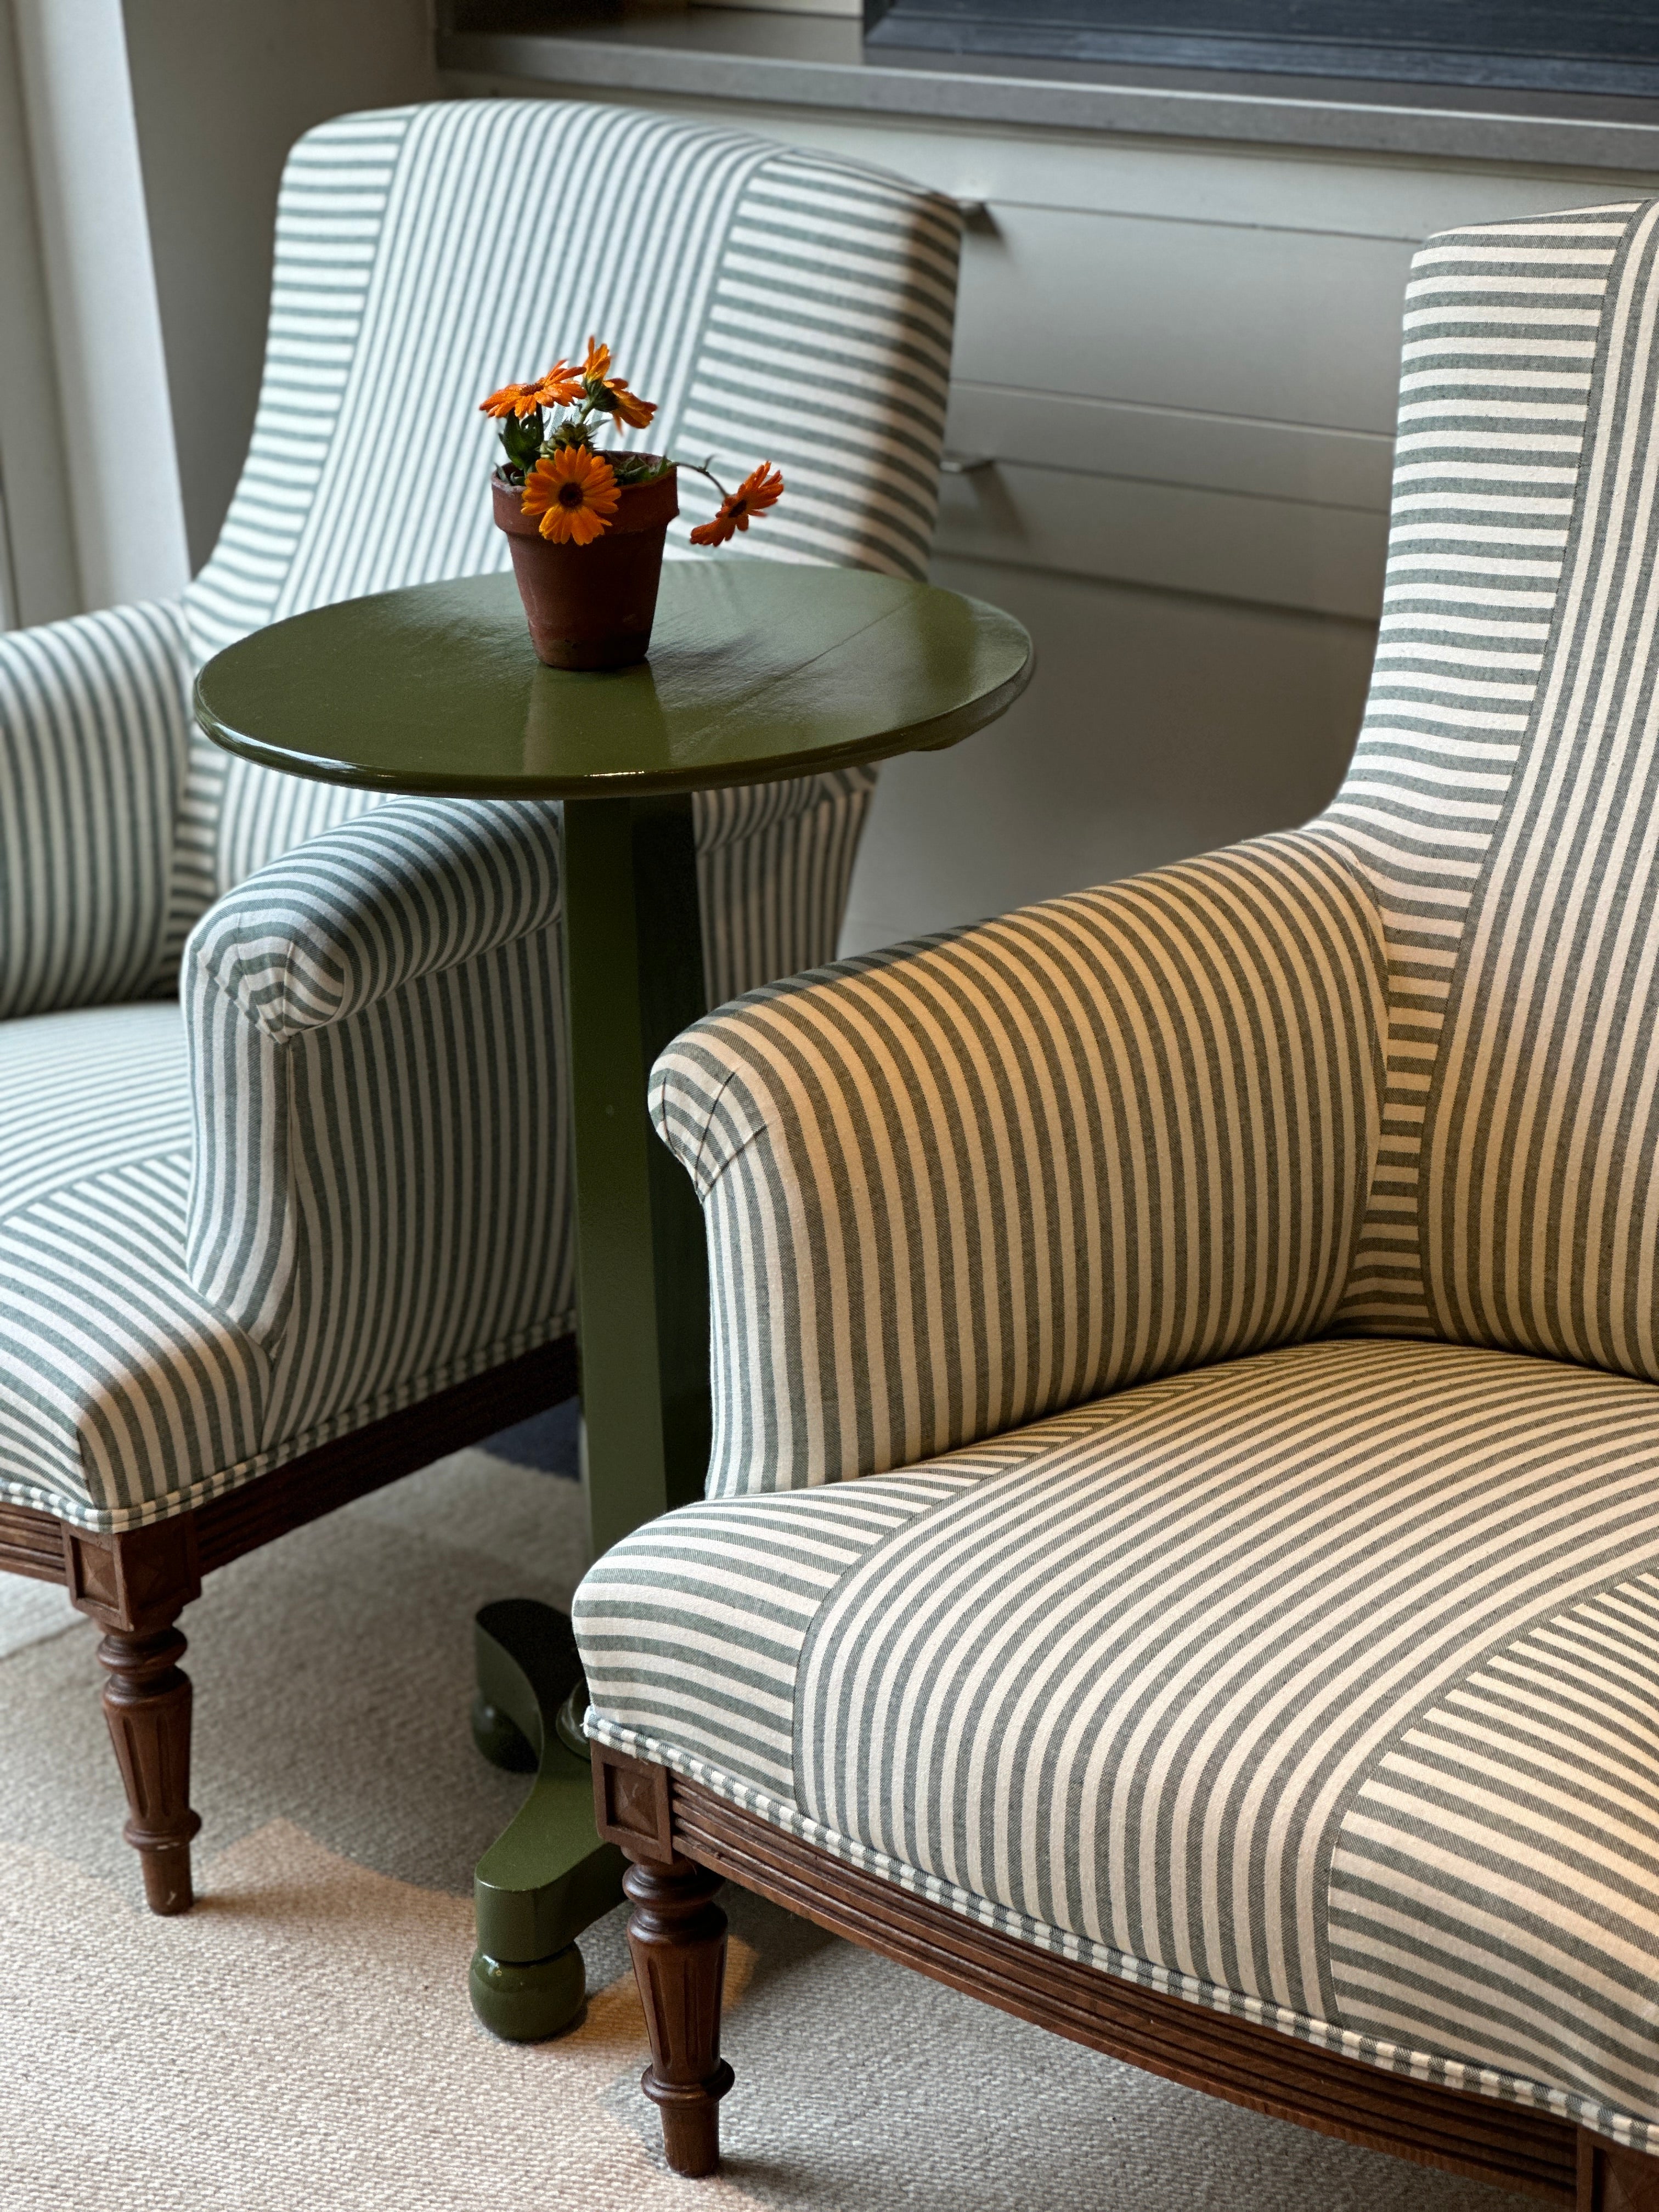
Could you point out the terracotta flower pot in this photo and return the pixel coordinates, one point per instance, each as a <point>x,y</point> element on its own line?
<point>591,606</point>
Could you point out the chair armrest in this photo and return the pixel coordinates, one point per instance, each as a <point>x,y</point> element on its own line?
<point>94,741</point>
<point>956,1187</point>
<point>373,1023</point>
<point>405,891</point>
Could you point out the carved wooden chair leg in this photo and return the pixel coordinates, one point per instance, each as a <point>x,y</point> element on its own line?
<point>1614,2180</point>
<point>136,1585</point>
<point>677,1934</point>
<point>146,1701</point>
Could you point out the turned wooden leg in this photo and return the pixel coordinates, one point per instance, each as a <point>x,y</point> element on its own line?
<point>678,1936</point>
<point>147,1703</point>
<point>136,1585</point>
<point>1611,2179</point>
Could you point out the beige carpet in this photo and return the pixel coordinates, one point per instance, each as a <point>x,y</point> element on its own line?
<point>302,2043</point>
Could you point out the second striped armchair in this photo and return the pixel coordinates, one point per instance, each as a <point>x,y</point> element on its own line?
<point>282,1179</point>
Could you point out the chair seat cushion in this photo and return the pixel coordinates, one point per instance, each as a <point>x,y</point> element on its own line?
<point>1321,1687</point>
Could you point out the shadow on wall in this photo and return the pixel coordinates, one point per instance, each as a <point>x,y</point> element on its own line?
<point>221,90</point>
<point>1157,725</point>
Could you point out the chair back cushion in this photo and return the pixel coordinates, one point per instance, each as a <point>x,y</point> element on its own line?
<point>1504,800</point>
<point>777,304</point>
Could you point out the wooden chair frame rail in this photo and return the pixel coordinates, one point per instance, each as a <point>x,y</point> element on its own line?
<point>674,1828</point>
<point>135,1583</point>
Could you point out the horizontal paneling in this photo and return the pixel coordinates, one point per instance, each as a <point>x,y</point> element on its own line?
<point>1290,326</point>
<point>1196,183</point>
<point>1166,445</point>
<point>1281,552</point>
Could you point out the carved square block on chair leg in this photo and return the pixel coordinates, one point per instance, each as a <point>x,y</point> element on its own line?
<point>1612,2179</point>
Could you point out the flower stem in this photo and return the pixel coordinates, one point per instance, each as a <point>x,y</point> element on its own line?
<point>703,472</point>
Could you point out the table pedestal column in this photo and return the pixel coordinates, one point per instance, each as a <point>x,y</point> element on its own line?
<point>634,979</point>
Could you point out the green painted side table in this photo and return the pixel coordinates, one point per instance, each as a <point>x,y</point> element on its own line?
<point>758,670</point>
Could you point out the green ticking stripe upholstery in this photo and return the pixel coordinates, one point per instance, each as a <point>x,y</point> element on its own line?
<point>94,735</point>
<point>114,1374</point>
<point>378,1140</point>
<point>341,1181</point>
<point>1145,1118</point>
<point>124,1394</point>
<point>1318,1684</point>
<point>1500,798</point>
<point>1304,1660</point>
<point>950,1189</point>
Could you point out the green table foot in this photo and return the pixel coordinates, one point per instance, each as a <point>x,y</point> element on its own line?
<point>528,2004</point>
<point>547,1876</point>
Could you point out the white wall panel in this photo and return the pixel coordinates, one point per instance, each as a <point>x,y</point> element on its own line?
<point>1282,552</point>
<point>1171,445</point>
<point>1286,325</point>
<point>1156,726</point>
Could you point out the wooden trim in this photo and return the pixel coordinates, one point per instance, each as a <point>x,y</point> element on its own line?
<point>1611,2179</point>
<point>33,1543</point>
<point>1257,2066</point>
<point>137,1580</point>
<point>368,1458</point>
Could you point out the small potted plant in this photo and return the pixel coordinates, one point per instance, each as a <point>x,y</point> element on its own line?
<point>586,528</point>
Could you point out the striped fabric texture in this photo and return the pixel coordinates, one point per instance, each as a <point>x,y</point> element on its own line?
<point>1317,1686</point>
<point>359,1194</point>
<point>1268,1247</point>
<point>119,1385</point>
<point>953,1189</point>
<point>1498,803</point>
<point>94,737</point>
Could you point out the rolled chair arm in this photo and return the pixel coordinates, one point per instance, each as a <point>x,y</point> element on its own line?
<point>957,1186</point>
<point>405,891</point>
<point>372,1024</point>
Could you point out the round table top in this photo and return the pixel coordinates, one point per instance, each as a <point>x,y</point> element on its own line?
<point>758,670</point>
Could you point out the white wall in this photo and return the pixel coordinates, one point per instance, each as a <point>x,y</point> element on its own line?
<point>221,89</point>
<point>39,579</point>
<point>114,513</point>
<point>1158,725</point>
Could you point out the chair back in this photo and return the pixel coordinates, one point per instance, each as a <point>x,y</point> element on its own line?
<point>777,304</point>
<point>1503,800</point>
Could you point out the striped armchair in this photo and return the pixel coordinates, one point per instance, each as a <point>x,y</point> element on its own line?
<point>1182,1554</point>
<point>282,1181</point>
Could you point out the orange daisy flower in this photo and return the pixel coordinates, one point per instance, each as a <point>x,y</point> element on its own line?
<point>560,387</point>
<point>575,493</point>
<point>511,399</point>
<point>761,488</point>
<point>613,394</point>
